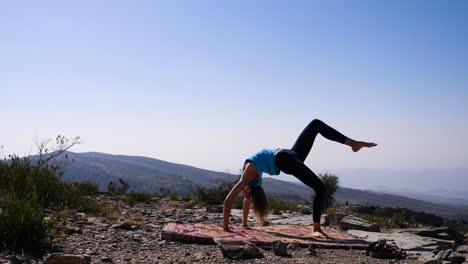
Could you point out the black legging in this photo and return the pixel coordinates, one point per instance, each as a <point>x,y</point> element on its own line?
<point>291,161</point>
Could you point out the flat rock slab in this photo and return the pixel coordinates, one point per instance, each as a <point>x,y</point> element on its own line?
<point>262,235</point>
<point>407,240</point>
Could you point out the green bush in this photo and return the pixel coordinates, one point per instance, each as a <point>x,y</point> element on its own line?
<point>331,183</point>
<point>86,187</point>
<point>275,204</point>
<point>174,197</point>
<point>191,204</point>
<point>113,189</point>
<point>29,186</point>
<point>214,196</point>
<point>388,217</point>
<point>22,222</point>
<point>136,197</point>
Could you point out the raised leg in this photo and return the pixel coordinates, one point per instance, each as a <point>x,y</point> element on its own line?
<point>306,139</point>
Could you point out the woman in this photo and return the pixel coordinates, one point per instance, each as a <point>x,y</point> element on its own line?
<point>290,161</point>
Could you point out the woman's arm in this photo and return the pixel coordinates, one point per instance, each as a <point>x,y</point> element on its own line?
<point>249,175</point>
<point>245,207</point>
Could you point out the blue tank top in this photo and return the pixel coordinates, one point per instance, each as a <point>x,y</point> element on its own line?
<point>264,161</point>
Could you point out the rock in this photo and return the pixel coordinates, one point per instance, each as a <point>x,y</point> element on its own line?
<point>82,215</point>
<point>433,262</point>
<point>276,212</point>
<point>306,211</point>
<point>312,250</point>
<point>457,259</point>
<point>16,259</point>
<point>214,209</point>
<point>294,220</point>
<point>60,258</point>
<point>407,241</point>
<point>70,230</point>
<point>199,255</point>
<point>443,255</point>
<point>126,226</point>
<point>237,249</point>
<point>280,248</point>
<point>106,260</point>
<point>445,233</point>
<point>325,220</point>
<point>356,223</point>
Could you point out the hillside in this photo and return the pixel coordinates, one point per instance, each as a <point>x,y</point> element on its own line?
<point>149,175</point>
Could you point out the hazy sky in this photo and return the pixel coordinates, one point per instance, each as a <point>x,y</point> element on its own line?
<point>207,83</point>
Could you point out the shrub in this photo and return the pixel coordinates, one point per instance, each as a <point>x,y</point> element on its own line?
<point>282,205</point>
<point>174,197</point>
<point>22,222</point>
<point>136,197</point>
<point>214,196</point>
<point>29,186</point>
<point>191,204</point>
<point>164,192</point>
<point>388,217</point>
<point>331,183</point>
<point>113,189</point>
<point>86,187</point>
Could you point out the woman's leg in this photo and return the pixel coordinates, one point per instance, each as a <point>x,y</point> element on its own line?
<point>306,139</point>
<point>290,163</point>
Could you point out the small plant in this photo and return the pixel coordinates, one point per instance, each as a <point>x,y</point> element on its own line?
<point>86,187</point>
<point>275,204</point>
<point>164,192</point>
<point>191,204</point>
<point>136,197</point>
<point>331,183</point>
<point>113,189</point>
<point>174,197</point>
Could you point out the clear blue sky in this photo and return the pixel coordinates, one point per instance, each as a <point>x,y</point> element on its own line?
<point>207,83</point>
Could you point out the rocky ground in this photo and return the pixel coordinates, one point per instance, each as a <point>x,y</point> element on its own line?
<point>134,236</point>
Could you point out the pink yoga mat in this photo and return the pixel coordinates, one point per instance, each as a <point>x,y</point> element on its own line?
<point>262,235</point>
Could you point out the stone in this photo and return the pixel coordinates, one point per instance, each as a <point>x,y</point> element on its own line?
<point>356,223</point>
<point>126,226</point>
<point>60,258</point>
<point>214,209</point>
<point>445,233</point>
<point>70,230</point>
<point>407,241</point>
<point>238,249</point>
<point>325,220</point>
<point>433,261</point>
<point>294,220</point>
<point>312,250</point>
<point>280,248</point>
<point>199,255</point>
<point>457,259</point>
<point>276,212</point>
<point>106,260</point>
<point>443,254</point>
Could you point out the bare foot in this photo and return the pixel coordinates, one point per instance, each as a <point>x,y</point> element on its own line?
<point>319,234</point>
<point>357,145</point>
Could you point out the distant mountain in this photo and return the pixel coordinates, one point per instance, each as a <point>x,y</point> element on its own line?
<point>437,196</point>
<point>149,175</point>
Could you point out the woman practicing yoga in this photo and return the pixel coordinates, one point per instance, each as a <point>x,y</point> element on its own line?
<point>290,161</point>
